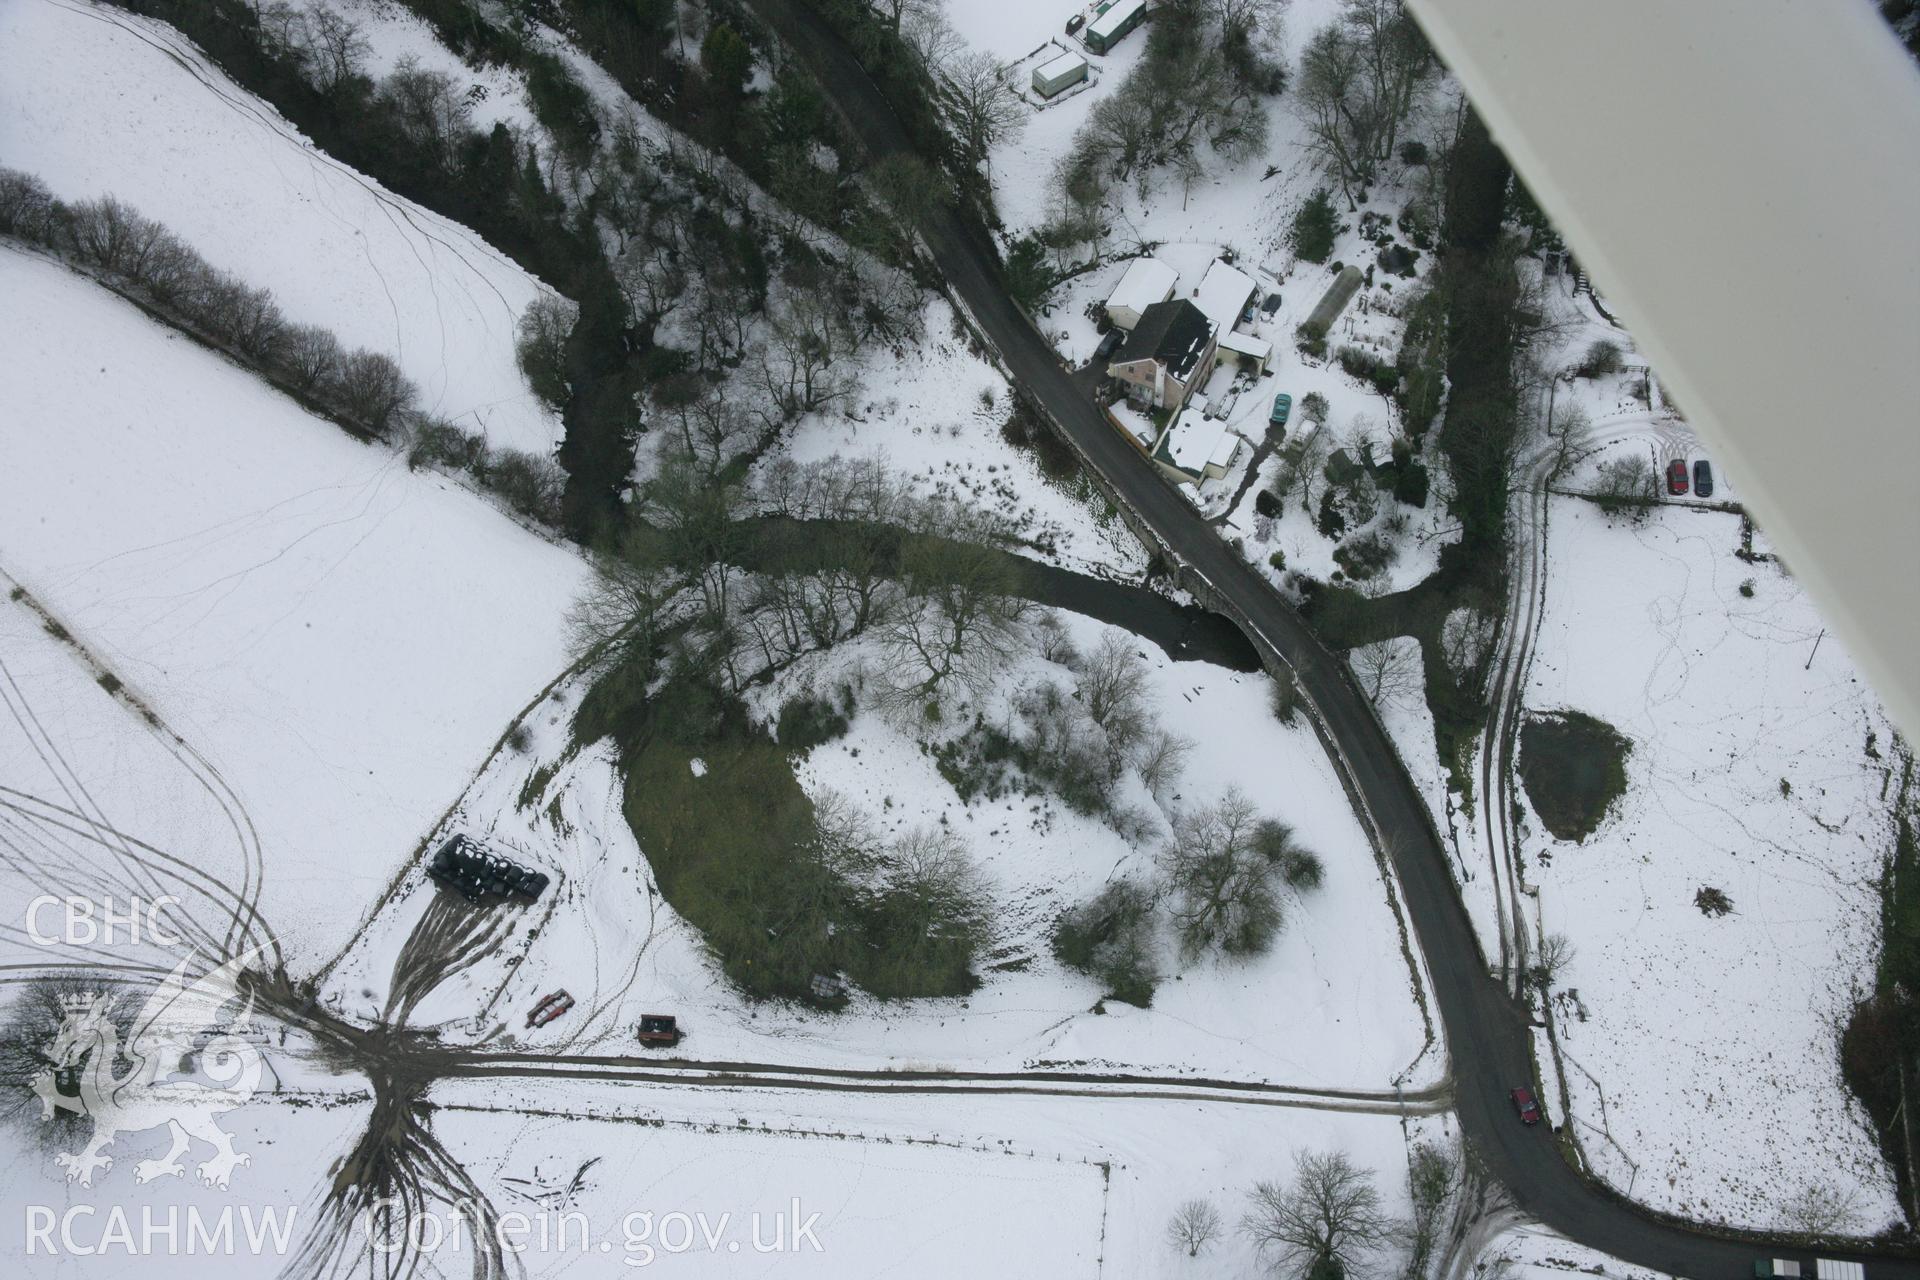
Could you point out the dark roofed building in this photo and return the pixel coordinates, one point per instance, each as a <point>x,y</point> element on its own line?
<point>1168,353</point>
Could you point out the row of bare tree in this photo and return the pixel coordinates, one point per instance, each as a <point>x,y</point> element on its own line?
<point>363,390</point>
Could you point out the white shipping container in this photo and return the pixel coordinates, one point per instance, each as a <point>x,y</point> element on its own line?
<point>1827,1269</point>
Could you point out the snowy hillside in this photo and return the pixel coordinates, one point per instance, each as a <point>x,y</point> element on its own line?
<point>97,102</point>
<point>342,639</point>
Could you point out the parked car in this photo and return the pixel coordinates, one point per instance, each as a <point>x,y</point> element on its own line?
<point>659,1030</point>
<point>1703,479</point>
<point>1077,21</point>
<point>1109,344</point>
<point>1282,408</point>
<point>476,873</point>
<point>549,1007</point>
<point>1526,1105</point>
<point>1677,476</point>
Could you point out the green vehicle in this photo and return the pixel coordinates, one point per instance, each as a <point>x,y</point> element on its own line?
<point>1282,406</point>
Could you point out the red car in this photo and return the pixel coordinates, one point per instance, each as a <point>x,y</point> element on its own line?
<point>551,1006</point>
<point>1677,477</point>
<point>1523,1102</point>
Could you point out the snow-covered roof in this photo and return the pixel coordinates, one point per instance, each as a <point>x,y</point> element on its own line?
<point>1223,295</point>
<point>1195,441</point>
<point>1061,65</point>
<point>1107,22</point>
<point>1147,281</point>
<point>1246,344</point>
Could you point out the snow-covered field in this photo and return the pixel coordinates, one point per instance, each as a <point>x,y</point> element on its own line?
<point>923,1187</point>
<point>100,102</point>
<point>1331,1006</point>
<point>343,640</point>
<point>1751,772</point>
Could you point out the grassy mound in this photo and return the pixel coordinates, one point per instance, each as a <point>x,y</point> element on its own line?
<point>1574,767</point>
<point>736,848</point>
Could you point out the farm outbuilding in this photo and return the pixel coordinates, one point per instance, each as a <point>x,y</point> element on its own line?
<point>1061,73</point>
<point>1223,294</point>
<point>1113,23</point>
<point>1147,281</point>
<point>1246,350</point>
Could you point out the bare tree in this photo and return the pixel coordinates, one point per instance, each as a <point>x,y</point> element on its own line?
<point>1823,1209</point>
<point>372,390</point>
<point>541,346</point>
<point>1194,1226</point>
<point>428,107</point>
<point>981,104</point>
<point>334,47</point>
<point>1397,58</point>
<point>624,608</point>
<point>1325,1223</point>
<point>1386,670</point>
<point>1337,111</point>
<point>960,623</point>
<point>1552,959</point>
<point>807,362</point>
<point>1625,484</point>
<point>924,29</point>
<point>714,430</point>
<point>114,236</point>
<point>309,357</point>
<point>1303,460</point>
<point>26,206</point>
<point>1160,759</point>
<point>1224,890</point>
<point>1113,687</point>
<point>1359,78</point>
<point>1466,637</point>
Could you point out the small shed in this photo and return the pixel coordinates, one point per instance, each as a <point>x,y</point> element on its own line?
<point>1114,23</point>
<point>1061,73</point>
<point>1245,350</point>
<point>1147,281</point>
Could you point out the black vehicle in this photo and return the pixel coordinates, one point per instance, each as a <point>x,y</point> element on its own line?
<point>1702,479</point>
<point>1074,23</point>
<point>477,874</point>
<point>1109,345</point>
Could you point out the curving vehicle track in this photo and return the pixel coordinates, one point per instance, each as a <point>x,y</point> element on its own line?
<point>1488,1032</point>
<point>1547,461</point>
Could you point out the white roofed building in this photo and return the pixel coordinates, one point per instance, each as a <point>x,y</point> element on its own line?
<point>1058,74</point>
<point>1223,295</point>
<point>1147,281</point>
<point>1197,448</point>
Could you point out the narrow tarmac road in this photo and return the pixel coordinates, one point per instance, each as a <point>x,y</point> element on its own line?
<point>1488,1034</point>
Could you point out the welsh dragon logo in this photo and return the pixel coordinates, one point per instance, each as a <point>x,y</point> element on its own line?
<point>179,1030</point>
